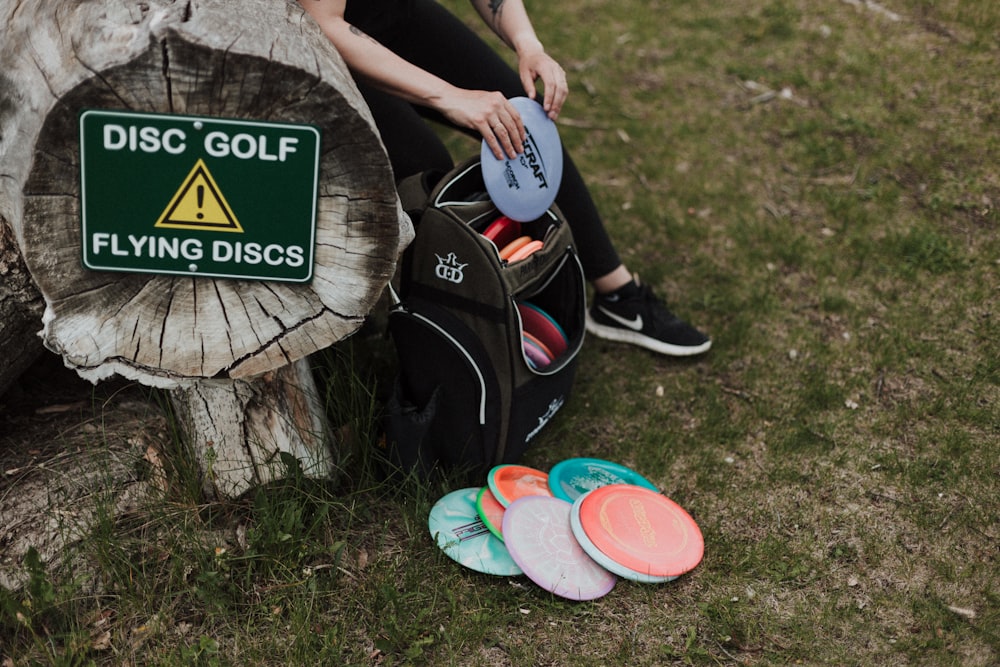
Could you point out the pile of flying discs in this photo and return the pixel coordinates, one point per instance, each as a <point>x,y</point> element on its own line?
<point>542,338</point>
<point>573,531</point>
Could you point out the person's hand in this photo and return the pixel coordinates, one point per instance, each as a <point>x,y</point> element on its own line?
<point>489,113</point>
<point>536,64</point>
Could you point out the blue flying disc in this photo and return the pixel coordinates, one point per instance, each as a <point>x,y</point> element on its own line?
<point>524,188</point>
<point>572,478</point>
<point>459,531</point>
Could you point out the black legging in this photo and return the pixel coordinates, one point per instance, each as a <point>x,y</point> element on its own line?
<point>433,39</point>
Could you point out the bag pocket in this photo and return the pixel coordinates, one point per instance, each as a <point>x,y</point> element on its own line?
<point>445,416</point>
<point>406,427</point>
<point>534,404</point>
<point>547,311</point>
<point>463,196</point>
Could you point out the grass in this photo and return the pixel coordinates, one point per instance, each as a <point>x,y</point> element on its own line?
<point>814,184</point>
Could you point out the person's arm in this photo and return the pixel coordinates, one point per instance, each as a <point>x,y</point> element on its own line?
<point>488,113</point>
<point>509,20</point>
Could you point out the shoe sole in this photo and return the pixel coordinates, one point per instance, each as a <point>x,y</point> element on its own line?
<point>635,338</point>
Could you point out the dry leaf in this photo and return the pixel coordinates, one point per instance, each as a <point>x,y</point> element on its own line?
<point>101,641</point>
<point>963,612</point>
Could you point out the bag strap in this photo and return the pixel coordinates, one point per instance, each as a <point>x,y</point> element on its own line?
<point>414,193</point>
<point>414,196</point>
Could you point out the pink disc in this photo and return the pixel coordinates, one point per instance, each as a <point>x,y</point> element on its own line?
<point>539,537</point>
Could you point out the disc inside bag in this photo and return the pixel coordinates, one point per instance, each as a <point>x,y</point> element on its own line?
<point>525,251</point>
<point>502,231</point>
<point>540,345</point>
<point>458,530</point>
<point>524,187</point>
<point>543,326</point>
<point>508,250</point>
<point>537,357</point>
<point>540,540</point>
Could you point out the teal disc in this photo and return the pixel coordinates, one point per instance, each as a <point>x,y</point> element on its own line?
<point>572,478</point>
<point>459,531</point>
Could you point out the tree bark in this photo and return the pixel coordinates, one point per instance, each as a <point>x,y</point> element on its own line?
<point>255,60</point>
<point>21,308</point>
<point>245,433</point>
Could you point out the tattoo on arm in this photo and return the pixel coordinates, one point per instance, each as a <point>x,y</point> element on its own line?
<point>496,6</point>
<point>361,33</point>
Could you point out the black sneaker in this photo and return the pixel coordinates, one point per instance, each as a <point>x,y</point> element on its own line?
<point>633,314</point>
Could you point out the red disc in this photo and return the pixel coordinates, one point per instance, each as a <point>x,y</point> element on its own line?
<point>540,324</point>
<point>508,482</point>
<point>641,529</point>
<point>502,231</point>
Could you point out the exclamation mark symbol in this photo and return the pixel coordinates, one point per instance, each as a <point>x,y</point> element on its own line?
<point>201,200</point>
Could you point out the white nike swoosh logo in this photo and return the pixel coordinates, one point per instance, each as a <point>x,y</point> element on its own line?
<point>633,324</point>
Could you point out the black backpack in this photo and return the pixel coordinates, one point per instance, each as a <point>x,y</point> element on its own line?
<point>472,391</point>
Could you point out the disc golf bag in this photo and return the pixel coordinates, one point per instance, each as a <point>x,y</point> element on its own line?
<point>474,388</point>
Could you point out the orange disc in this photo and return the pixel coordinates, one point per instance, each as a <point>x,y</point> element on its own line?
<point>525,250</point>
<point>490,511</point>
<point>540,324</point>
<point>514,246</point>
<point>508,482</point>
<point>542,346</point>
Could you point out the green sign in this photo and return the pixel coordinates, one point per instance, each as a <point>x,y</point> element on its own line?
<point>198,196</point>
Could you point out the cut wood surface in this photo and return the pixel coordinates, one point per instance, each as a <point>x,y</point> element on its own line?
<point>256,59</point>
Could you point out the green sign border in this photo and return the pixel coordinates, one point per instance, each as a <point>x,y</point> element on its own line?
<point>95,222</point>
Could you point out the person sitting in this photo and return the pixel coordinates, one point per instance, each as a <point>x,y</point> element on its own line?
<point>414,61</point>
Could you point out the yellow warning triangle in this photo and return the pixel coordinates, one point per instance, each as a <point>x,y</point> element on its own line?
<point>199,204</point>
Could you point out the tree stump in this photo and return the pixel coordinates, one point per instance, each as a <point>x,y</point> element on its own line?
<point>21,308</point>
<point>233,352</point>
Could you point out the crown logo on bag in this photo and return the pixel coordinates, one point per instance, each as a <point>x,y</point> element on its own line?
<point>448,268</point>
